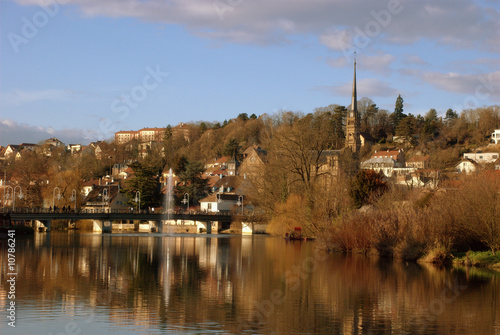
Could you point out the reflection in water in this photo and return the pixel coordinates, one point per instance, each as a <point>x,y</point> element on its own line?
<point>127,283</point>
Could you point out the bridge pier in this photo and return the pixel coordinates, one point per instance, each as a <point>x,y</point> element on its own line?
<point>159,226</point>
<point>102,226</point>
<point>42,225</point>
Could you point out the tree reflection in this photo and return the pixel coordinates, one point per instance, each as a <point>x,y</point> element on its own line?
<point>247,284</point>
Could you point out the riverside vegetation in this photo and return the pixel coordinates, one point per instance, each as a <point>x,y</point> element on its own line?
<point>359,211</point>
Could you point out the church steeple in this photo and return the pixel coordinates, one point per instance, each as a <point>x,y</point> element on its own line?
<point>354,99</point>
<point>353,140</point>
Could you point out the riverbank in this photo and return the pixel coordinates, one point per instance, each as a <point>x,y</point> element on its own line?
<point>484,259</point>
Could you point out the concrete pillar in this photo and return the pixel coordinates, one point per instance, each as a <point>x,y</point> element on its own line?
<point>97,225</point>
<point>216,227</point>
<point>209,227</point>
<point>103,227</point>
<point>42,225</point>
<point>107,227</point>
<point>159,226</point>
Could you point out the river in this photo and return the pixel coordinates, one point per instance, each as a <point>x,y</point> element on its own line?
<point>85,283</point>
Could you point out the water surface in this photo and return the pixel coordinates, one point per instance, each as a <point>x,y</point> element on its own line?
<point>77,283</point>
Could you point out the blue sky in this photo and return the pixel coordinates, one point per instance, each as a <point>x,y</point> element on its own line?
<point>80,70</point>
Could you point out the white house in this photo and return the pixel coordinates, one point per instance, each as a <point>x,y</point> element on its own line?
<point>385,165</point>
<point>495,136</point>
<point>466,166</point>
<point>221,202</point>
<point>482,157</point>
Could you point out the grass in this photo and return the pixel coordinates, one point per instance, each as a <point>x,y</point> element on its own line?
<point>438,255</point>
<point>478,258</point>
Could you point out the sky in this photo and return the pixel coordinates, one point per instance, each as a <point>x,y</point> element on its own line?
<point>81,70</point>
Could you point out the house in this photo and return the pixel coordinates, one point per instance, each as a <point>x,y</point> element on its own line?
<point>418,162</point>
<point>253,161</point>
<point>98,148</point>
<point>466,165</point>
<point>217,163</point>
<point>232,167</point>
<point>386,165</point>
<point>22,154</point>
<point>228,184</point>
<point>11,150</point>
<point>74,148</point>
<point>118,171</point>
<point>125,136</point>
<point>417,178</point>
<point>105,198</point>
<point>495,136</point>
<point>221,202</point>
<point>53,142</point>
<point>482,157</point>
<point>88,186</point>
<point>397,155</point>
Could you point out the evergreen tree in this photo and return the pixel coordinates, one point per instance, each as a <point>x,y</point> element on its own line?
<point>192,182</point>
<point>145,181</point>
<point>232,148</point>
<point>398,114</point>
<point>243,117</point>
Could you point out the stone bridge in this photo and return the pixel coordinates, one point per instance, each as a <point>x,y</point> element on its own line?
<point>105,221</point>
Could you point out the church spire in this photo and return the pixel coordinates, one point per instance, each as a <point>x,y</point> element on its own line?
<point>354,99</point>
<point>353,139</point>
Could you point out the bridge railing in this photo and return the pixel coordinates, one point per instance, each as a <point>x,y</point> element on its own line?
<point>42,210</point>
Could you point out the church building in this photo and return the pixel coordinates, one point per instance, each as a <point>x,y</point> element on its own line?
<point>353,140</point>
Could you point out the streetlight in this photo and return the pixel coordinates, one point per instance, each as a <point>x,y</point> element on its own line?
<point>105,196</point>
<point>8,195</point>
<point>219,200</point>
<point>138,200</point>
<point>73,197</point>
<point>54,196</point>
<point>186,201</point>
<point>240,203</point>
<point>20,196</point>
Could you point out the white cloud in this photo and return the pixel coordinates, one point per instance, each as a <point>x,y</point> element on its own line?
<point>482,84</point>
<point>12,132</point>
<point>337,39</point>
<point>462,23</point>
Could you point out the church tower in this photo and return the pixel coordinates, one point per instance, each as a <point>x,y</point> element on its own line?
<point>352,139</point>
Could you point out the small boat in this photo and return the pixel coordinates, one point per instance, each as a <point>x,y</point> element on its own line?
<point>296,235</point>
